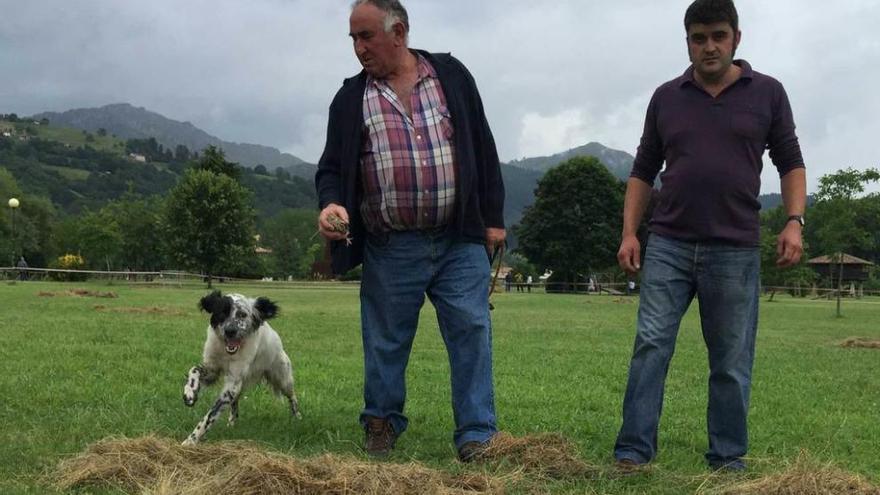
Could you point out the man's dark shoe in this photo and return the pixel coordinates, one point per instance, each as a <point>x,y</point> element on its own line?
<point>732,466</point>
<point>380,437</point>
<point>629,467</point>
<point>473,451</point>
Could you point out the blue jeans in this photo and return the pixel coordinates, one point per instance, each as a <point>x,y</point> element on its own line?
<point>725,279</point>
<point>399,269</point>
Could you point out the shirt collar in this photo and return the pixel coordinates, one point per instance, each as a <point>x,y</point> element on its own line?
<point>688,76</point>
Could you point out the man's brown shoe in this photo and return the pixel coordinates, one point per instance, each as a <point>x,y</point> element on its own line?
<point>380,437</point>
<point>472,451</point>
<point>629,467</point>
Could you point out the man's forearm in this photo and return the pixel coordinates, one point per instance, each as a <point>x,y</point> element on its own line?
<point>638,193</point>
<point>794,191</point>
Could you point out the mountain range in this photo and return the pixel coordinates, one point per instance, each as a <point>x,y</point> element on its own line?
<point>129,122</point>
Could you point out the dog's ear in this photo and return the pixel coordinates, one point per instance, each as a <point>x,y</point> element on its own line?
<point>210,303</point>
<point>266,308</point>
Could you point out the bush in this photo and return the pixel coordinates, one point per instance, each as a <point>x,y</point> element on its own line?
<point>69,262</point>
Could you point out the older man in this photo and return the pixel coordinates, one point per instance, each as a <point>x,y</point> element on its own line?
<point>410,166</point>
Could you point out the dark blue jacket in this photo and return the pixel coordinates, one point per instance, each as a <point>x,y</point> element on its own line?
<point>479,195</point>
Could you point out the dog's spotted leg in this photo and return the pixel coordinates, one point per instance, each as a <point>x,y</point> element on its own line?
<point>294,406</point>
<point>197,376</point>
<point>233,412</point>
<point>227,397</point>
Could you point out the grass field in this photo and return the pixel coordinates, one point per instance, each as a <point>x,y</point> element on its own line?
<point>78,369</point>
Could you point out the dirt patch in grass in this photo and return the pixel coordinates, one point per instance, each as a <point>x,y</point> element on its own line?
<point>152,310</point>
<point>163,467</point>
<point>78,293</point>
<point>861,342</point>
<point>548,455</point>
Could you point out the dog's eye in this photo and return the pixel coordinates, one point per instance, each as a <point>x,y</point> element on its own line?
<point>240,314</point>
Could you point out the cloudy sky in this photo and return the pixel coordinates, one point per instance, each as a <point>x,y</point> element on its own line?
<point>553,75</point>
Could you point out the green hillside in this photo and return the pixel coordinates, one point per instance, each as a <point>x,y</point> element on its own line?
<point>78,170</point>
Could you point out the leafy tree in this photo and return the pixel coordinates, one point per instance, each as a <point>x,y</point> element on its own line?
<point>261,170</point>
<point>137,220</point>
<point>574,225</point>
<point>182,153</point>
<point>290,235</point>
<point>835,201</point>
<point>214,160</point>
<point>208,222</point>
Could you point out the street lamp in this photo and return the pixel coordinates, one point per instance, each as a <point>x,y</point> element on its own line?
<point>13,204</point>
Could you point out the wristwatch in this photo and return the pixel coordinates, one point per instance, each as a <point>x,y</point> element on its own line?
<point>796,218</point>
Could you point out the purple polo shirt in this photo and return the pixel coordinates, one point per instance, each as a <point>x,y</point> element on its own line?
<point>712,148</point>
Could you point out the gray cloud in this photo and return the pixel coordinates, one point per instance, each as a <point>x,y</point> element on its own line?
<point>553,74</point>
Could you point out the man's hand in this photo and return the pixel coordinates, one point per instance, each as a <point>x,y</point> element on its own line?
<point>629,255</point>
<point>326,228</point>
<point>789,245</point>
<point>494,238</point>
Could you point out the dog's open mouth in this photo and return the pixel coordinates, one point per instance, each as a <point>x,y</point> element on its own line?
<point>232,345</point>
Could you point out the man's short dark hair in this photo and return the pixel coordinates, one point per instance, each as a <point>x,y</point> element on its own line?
<point>711,11</point>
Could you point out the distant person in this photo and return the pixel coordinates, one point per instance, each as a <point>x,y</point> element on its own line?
<point>22,269</point>
<point>518,278</point>
<point>410,165</point>
<point>508,279</point>
<point>710,126</point>
<point>529,283</point>
<point>630,286</point>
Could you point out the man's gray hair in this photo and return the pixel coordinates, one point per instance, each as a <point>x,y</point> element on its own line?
<point>394,12</point>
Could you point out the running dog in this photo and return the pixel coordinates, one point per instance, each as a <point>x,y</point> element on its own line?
<point>245,349</point>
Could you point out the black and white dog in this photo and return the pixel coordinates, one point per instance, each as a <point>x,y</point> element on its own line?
<point>244,349</point>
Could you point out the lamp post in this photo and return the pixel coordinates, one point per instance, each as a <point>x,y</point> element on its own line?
<point>13,204</point>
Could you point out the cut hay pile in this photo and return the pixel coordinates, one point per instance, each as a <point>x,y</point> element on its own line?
<point>861,342</point>
<point>162,467</point>
<point>548,455</point>
<point>804,477</point>
<point>79,293</point>
<point>152,310</point>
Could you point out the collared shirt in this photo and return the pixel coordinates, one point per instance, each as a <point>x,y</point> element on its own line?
<point>713,148</point>
<point>407,162</point>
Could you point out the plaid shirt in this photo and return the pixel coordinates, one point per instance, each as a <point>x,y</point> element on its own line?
<point>407,163</point>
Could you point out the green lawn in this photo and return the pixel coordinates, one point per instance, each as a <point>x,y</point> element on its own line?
<point>73,374</point>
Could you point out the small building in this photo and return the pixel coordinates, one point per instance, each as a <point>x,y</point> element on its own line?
<point>829,266</point>
<point>138,157</point>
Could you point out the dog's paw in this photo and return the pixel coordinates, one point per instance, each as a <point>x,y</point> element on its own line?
<point>189,442</point>
<point>189,400</point>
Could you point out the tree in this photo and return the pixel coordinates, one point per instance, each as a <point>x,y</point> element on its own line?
<point>214,160</point>
<point>208,222</point>
<point>574,225</point>
<point>839,231</point>
<point>137,221</point>
<point>290,234</point>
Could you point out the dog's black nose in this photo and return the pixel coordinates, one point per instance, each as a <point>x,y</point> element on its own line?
<point>230,334</point>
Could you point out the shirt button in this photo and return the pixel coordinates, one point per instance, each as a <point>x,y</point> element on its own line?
<point>419,137</point>
<point>425,162</point>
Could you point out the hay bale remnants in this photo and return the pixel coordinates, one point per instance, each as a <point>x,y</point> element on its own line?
<point>804,477</point>
<point>860,342</point>
<point>548,455</point>
<point>153,310</point>
<point>161,466</point>
<point>79,293</point>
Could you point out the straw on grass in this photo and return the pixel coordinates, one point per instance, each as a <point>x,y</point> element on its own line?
<point>804,477</point>
<point>860,342</point>
<point>162,467</point>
